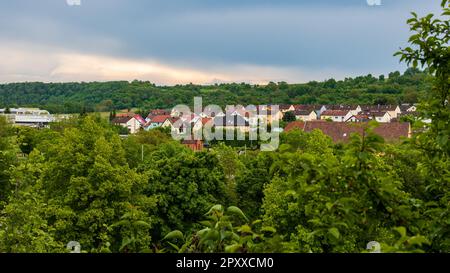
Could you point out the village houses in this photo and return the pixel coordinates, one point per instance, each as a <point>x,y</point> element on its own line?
<point>324,117</point>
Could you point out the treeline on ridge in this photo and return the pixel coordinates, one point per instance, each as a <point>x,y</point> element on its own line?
<point>397,88</point>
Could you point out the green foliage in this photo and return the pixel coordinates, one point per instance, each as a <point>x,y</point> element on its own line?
<point>139,147</point>
<point>23,227</point>
<point>8,157</point>
<point>405,244</point>
<point>134,226</point>
<point>251,181</point>
<point>86,186</point>
<point>289,117</point>
<point>232,168</point>
<point>185,184</point>
<point>430,49</point>
<point>81,182</point>
<point>331,202</point>
<point>220,234</point>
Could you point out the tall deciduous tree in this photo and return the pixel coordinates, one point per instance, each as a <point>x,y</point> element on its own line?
<point>8,153</point>
<point>430,48</point>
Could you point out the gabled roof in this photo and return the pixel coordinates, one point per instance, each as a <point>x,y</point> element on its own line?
<point>335,113</point>
<point>404,107</point>
<point>121,120</point>
<point>172,120</point>
<point>303,112</point>
<point>140,119</point>
<point>285,106</point>
<point>359,117</point>
<point>376,113</point>
<point>379,107</point>
<point>341,107</point>
<point>307,107</point>
<point>341,131</point>
<point>160,119</point>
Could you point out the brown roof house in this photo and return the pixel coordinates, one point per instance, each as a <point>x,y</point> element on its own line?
<point>341,131</point>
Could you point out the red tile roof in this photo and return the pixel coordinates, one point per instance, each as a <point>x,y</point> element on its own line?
<point>341,131</point>
<point>140,119</point>
<point>160,119</point>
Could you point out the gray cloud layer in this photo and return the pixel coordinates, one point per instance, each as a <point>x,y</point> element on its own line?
<point>319,38</point>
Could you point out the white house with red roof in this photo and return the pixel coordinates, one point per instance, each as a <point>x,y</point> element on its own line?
<point>132,123</point>
<point>156,121</point>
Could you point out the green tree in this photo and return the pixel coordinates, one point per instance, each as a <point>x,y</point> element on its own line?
<point>232,167</point>
<point>185,183</point>
<point>430,49</point>
<point>289,117</point>
<point>87,187</point>
<point>23,224</point>
<point>8,153</point>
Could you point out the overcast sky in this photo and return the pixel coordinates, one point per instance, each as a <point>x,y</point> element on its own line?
<point>202,41</point>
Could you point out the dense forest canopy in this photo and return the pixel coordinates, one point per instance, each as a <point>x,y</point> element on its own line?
<point>397,88</point>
